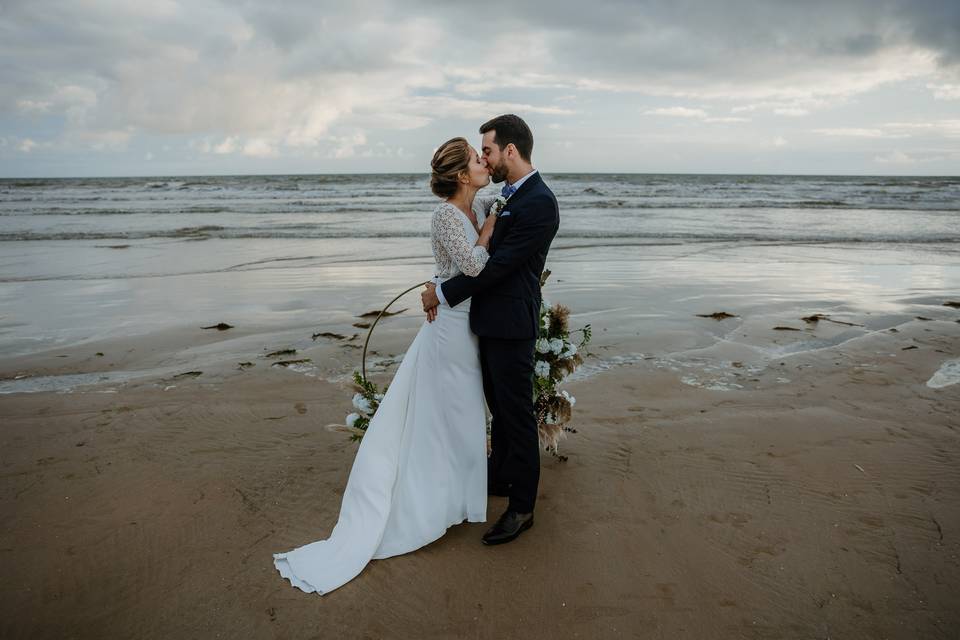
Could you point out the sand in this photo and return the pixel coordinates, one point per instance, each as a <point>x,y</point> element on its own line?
<point>727,479</point>
<point>817,496</point>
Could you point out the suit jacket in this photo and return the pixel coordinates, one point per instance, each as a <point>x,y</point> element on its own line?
<point>506,294</point>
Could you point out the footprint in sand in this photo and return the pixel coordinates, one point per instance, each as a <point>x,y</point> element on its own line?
<point>734,518</point>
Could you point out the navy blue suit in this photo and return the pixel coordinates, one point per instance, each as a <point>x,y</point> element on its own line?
<point>505,315</point>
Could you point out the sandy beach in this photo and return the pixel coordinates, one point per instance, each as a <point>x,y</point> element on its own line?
<point>727,479</point>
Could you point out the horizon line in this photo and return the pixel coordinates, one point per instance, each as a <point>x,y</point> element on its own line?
<point>552,173</point>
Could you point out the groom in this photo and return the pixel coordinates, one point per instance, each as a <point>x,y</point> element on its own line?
<point>505,315</point>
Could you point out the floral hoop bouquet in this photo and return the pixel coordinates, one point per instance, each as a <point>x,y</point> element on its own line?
<point>556,358</point>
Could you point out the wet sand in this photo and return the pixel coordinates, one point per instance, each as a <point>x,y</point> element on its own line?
<point>727,480</point>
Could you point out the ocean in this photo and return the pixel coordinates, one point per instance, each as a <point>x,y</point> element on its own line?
<point>687,208</point>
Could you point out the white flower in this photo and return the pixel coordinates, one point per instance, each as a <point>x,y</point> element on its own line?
<point>550,419</point>
<point>543,345</point>
<point>546,322</point>
<point>352,419</point>
<point>569,398</point>
<point>378,397</point>
<point>542,369</point>
<point>556,345</point>
<point>571,351</point>
<point>498,206</point>
<point>361,403</point>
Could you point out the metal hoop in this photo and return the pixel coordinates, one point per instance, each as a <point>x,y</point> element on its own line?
<point>363,362</point>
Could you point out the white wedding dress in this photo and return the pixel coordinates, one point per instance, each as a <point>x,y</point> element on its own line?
<point>422,464</point>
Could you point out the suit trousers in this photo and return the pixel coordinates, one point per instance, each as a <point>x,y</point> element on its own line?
<point>507,367</point>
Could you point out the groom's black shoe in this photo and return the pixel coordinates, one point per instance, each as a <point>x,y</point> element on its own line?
<point>510,525</point>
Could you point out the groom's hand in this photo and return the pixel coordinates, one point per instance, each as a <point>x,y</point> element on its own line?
<point>430,301</point>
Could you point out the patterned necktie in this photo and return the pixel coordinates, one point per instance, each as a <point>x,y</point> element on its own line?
<point>508,190</point>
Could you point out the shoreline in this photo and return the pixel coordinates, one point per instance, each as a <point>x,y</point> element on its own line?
<point>649,310</point>
<point>280,287</point>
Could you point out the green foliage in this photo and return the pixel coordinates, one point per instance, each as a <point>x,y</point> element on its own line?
<point>366,401</point>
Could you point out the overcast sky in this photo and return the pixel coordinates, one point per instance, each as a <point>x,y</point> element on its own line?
<point>160,87</point>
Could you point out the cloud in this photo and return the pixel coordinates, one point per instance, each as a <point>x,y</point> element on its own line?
<point>726,119</point>
<point>100,139</point>
<point>895,157</point>
<point>929,131</point>
<point>693,113</point>
<point>36,106</point>
<point>945,91</point>
<point>677,112</point>
<point>25,145</point>
<point>259,148</point>
<point>734,50</point>
<point>935,128</point>
<point>451,106</point>
<point>265,72</point>
<point>852,132</point>
<point>381,150</point>
<point>301,79</point>
<point>347,145</point>
<point>230,144</point>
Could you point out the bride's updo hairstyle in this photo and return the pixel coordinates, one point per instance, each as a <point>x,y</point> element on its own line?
<point>450,160</point>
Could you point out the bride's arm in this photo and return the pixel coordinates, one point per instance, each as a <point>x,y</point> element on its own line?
<point>486,232</point>
<point>481,208</point>
<point>448,230</point>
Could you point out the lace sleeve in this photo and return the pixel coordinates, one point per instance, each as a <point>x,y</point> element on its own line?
<point>448,231</point>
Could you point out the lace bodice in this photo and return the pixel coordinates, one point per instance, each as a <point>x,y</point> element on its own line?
<point>454,239</point>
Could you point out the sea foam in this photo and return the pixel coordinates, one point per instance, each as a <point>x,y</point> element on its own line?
<point>948,374</point>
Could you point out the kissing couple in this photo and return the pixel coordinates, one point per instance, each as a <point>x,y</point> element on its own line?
<point>423,463</point>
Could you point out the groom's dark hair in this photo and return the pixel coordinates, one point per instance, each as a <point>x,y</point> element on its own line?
<point>508,129</point>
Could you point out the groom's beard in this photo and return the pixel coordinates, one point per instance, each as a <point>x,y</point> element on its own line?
<point>499,173</point>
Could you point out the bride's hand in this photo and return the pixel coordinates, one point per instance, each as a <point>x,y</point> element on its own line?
<point>430,301</point>
<point>486,231</point>
<point>488,224</point>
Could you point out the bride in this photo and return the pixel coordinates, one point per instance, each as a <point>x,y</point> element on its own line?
<point>422,464</point>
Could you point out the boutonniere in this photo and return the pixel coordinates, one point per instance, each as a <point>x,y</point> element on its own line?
<point>498,206</point>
